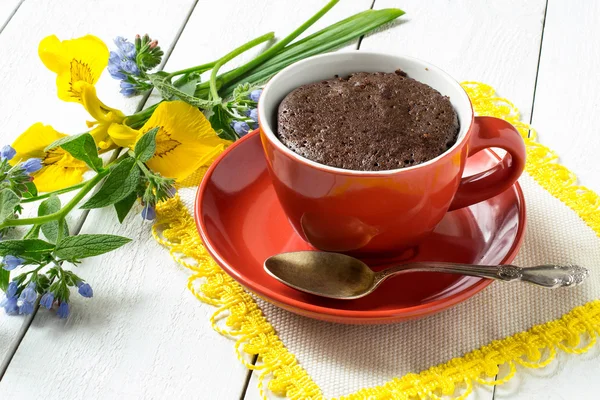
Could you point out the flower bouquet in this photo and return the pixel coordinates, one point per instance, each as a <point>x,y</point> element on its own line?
<point>126,160</point>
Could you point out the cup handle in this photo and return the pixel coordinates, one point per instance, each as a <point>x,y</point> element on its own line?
<point>491,132</point>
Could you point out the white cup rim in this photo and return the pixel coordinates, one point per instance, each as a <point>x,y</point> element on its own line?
<point>460,101</point>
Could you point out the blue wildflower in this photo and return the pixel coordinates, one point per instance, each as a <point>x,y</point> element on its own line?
<point>255,94</point>
<point>7,153</point>
<point>11,262</point>
<point>130,67</point>
<point>32,165</point>
<point>10,305</point>
<point>115,70</point>
<point>26,308</point>
<point>240,127</point>
<point>126,48</point>
<point>128,89</point>
<point>63,310</point>
<point>114,58</point>
<point>28,295</point>
<point>11,291</point>
<point>252,114</point>
<point>149,212</point>
<point>47,300</point>
<point>85,289</point>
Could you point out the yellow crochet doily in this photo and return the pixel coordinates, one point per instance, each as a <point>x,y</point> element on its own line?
<point>239,316</point>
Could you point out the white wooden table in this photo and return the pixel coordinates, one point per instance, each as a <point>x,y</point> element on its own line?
<point>143,335</point>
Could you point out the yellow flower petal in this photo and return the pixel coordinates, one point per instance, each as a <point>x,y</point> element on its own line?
<point>123,135</point>
<point>55,177</point>
<point>185,140</point>
<point>32,142</point>
<point>75,60</point>
<point>59,169</point>
<point>97,109</point>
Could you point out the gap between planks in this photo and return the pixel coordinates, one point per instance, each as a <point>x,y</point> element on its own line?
<point>81,220</point>
<point>12,14</point>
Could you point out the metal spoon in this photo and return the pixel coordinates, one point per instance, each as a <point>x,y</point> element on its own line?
<point>339,276</point>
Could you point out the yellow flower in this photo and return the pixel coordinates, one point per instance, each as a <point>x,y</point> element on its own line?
<point>59,169</point>
<point>185,140</point>
<point>76,62</point>
<point>105,116</point>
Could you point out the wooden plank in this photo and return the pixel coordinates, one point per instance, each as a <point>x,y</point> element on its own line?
<point>493,42</point>
<point>138,352</point>
<point>565,109</point>
<point>143,333</point>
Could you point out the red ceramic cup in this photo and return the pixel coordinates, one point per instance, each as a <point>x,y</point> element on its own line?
<point>379,214</point>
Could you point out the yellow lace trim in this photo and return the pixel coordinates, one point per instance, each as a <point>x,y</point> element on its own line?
<point>239,317</point>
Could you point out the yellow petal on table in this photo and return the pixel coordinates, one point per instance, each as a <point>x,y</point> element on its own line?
<point>55,177</point>
<point>32,142</point>
<point>75,60</point>
<point>59,168</point>
<point>185,141</point>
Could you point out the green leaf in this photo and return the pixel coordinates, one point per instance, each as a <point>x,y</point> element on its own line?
<point>4,278</point>
<point>189,87</point>
<point>74,248</point>
<point>168,92</point>
<point>8,201</point>
<point>25,247</point>
<point>82,147</point>
<point>122,207</point>
<point>146,146</point>
<point>123,180</point>
<point>220,120</point>
<point>50,229</point>
<point>31,190</point>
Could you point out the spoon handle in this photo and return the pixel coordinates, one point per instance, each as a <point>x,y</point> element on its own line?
<point>549,276</point>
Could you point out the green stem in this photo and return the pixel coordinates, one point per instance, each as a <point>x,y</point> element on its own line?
<point>61,229</point>
<point>60,191</point>
<point>227,57</point>
<point>89,185</point>
<point>276,48</point>
<point>198,68</point>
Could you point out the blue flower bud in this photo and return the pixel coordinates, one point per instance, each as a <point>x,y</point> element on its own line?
<point>47,300</point>
<point>11,291</point>
<point>255,94</point>
<point>130,66</point>
<point>114,58</point>
<point>32,165</point>
<point>116,71</point>
<point>149,212</point>
<point>7,152</point>
<point>63,310</point>
<point>85,289</point>
<point>26,308</point>
<point>127,49</point>
<point>128,89</point>
<point>10,305</point>
<point>241,128</point>
<point>28,295</point>
<point>11,262</point>
<point>252,114</point>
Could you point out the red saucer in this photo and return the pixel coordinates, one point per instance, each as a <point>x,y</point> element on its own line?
<point>241,222</point>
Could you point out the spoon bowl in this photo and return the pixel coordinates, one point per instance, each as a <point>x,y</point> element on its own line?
<point>324,274</point>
